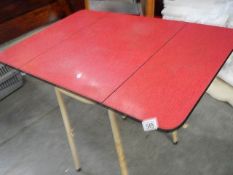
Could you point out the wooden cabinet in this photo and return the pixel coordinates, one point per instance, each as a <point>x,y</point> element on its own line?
<point>20,16</point>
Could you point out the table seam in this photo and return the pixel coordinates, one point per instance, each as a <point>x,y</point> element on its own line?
<point>46,50</point>
<point>147,60</point>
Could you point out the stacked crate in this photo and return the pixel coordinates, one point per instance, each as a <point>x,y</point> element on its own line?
<point>10,80</point>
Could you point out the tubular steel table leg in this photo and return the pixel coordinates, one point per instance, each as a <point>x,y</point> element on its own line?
<point>118,142</point>
<point>175,137</point>
<point>69,131</point>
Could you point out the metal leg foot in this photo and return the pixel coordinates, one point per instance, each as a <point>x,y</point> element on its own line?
<point>78,170</point>
<point>124,117</point>
<point>174,137</point>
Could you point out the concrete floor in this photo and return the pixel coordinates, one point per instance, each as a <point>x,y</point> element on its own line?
<point>33,139</point>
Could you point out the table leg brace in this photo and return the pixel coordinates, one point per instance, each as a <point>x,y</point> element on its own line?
<point>69,131</point>
<point>118,142</point>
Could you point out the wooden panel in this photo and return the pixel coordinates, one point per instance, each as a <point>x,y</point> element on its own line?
<point>12,8</point>
<point>64,5</point>
<point>29,21</point>
<point>76,4</point>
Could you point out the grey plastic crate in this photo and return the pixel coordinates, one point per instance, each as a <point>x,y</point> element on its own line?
<point>10,80</point>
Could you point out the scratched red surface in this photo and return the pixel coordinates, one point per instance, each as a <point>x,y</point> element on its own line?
<point>28,49</point>
<point>143,67</point>
<point>169,85</point>
<point>95,61</point>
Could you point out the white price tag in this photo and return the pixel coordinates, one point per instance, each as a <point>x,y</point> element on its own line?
<point>150,124</point>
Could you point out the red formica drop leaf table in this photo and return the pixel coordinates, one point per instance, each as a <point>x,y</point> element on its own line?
<point>142,67</point>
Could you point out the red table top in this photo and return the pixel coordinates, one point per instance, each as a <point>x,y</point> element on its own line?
<point>25,51</point>
<point>143,67</point>
<point>170,84</point>
<point>96,60</point>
